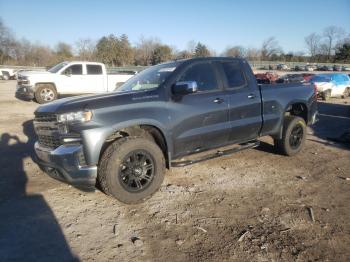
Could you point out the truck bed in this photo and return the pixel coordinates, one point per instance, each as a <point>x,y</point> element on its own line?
<point>275,100</point>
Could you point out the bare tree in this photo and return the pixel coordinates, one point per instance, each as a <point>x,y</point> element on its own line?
<point>191,46</point>
<point>269,48</point>
<point>184,54</point>
<point>332,35</point>
<point>201,50</point>
<point>86,49</point>
<point>144,50</point>
<point>64,51</point>
<point>253,54</point>
<point>7,42</point>
<point>236,51</point>
<point>312,42</point>
<point>162,53</point>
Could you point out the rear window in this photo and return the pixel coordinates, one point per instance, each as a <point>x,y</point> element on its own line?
<point>234,74</point>
<point>94,69</point>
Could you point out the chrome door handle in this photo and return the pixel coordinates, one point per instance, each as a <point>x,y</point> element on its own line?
<point>251,96</point>
<point>218,100</point>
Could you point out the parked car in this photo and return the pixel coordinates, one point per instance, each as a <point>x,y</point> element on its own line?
<point>67,78</point>
<point>290,78</point>
<point>7,73</point>
<point>337,68</point>
<point>345,68</point>
<point>307,76</point>
<point>325,68</point>
<point>282,67</point>
<point>331,85</point>
<point>309,68</point>
<point>161,118</point>
<point>299,68</point>
<point>266,78</point>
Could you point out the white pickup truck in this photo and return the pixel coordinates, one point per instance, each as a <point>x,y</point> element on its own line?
<point>68,78</point>
<point>7,73</point>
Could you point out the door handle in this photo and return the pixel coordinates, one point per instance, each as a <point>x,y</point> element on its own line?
<point>218,100</point>
<point>251,96</point>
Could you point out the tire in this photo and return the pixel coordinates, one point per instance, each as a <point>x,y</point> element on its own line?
<point>291,143</point>
<point>346,93</point>
<point>118,173</point>
<point>45,93</point>
<point>5,75</point>
<point>326,95</point>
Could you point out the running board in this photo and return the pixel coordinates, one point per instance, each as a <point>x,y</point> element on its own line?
<point>218,153</point>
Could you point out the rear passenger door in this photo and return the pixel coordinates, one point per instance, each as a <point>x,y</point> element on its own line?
<point>94,79</point>
<point>245,118</point>
<point>200,120</point>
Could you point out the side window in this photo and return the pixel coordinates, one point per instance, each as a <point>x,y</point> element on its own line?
<point>203,74</point>
<point>74,70</point>
<point>234,74</point>
<point>94,69</point>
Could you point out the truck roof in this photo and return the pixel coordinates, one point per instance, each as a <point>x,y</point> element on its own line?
<point>211,58</point>
<point>97,63</point>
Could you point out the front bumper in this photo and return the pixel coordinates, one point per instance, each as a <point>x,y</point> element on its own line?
<point>63,164</point>
<point>24,92</point>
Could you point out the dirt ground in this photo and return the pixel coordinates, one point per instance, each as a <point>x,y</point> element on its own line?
<point>254,205</point>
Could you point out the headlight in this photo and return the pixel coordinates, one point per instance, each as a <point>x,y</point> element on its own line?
<point>23,80</point>
<point>80,117</point>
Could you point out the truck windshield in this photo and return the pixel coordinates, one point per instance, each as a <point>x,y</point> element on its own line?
<point>57,67</point>
<point>149,78</point>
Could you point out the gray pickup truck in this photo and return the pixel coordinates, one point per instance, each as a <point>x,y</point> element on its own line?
<point>167,116</point>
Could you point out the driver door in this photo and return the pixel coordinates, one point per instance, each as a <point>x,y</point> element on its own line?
<point>201,119</point>
<point>71,80</point>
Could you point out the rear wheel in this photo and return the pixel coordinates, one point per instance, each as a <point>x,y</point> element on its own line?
<point>346,92</point>
<point>45,93</point>
<point>131,169</point>
<point>293,136</point>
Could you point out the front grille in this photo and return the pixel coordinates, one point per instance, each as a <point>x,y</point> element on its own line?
<point>46,128</point>
<point>49,141</point>
<point>41,117</point>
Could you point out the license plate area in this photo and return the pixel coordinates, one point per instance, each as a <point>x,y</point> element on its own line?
<point>43,155</point>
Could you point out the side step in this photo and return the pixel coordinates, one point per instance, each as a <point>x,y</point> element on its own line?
<point>218,153</point>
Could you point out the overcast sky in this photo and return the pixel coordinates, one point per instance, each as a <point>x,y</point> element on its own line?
<point>217,23</point>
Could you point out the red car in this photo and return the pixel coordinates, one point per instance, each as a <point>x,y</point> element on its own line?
<point>266,78</point>
<point>307,76</point>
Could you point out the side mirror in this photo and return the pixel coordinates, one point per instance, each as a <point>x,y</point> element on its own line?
<point>185,87</point>
<point>67,73</point>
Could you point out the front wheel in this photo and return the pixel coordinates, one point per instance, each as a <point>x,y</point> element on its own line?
<point>131,169</point>
<point>293,136</point>
<point>45,93</point>
<point>5,75</point>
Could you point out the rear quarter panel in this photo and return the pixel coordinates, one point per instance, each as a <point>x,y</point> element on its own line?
<point>277,98</point>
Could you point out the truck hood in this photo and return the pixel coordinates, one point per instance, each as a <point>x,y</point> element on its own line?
<point>77,103</point>
<point>30,73</point>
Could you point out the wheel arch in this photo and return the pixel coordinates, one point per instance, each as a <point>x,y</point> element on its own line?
<point>294,108</point>
<point>142,129</point>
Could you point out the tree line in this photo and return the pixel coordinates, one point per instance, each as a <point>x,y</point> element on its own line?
<point>333,45</point>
